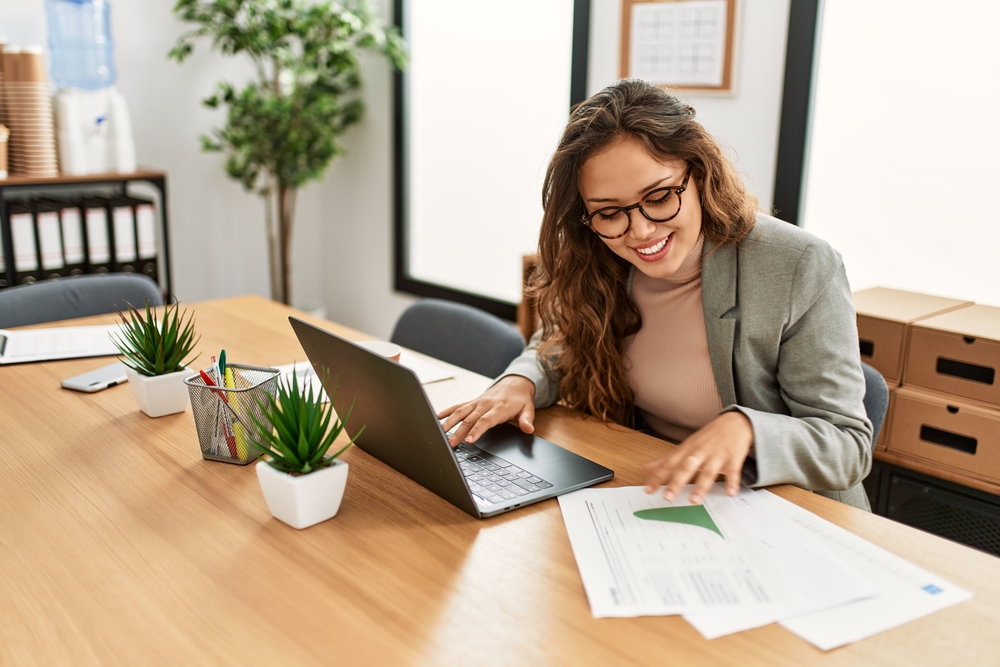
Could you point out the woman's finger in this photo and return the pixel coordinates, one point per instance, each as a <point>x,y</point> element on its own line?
<point>457,415</point>
<point>485,423</point>
<point>526,419</point>
<point>681,475</point>
<point>706,478</point>
<point>463,428</point>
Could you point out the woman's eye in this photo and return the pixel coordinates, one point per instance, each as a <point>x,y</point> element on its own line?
<point>610,215</point>
<point>659,197</point>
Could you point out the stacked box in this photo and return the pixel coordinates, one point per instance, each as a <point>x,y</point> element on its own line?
<point>948,411</point>
<point>884,318</point>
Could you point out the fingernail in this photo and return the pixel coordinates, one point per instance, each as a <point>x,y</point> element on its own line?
<point>695,500</point>
<point>668,495</point>
<point>650,488</point>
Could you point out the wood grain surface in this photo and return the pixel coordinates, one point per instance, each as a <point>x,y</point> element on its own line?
<point>120,545</point>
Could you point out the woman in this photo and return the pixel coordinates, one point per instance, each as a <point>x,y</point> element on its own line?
<point>667,301</point>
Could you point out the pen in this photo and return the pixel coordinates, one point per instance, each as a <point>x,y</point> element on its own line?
<point>222,364</point>
<point>230,440</point>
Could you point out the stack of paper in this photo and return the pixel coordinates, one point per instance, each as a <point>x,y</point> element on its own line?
<point>56,343</point>
<point>736,563</point>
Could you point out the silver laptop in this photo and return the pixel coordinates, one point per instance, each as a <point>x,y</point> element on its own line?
<point>503,470</point>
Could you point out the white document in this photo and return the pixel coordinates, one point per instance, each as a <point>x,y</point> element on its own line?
<point>908,592</point>
<point>305,376</point>
<point>58,343</point>
<point>426,372</point>
<point>640,555</point>
<point>819,578</point>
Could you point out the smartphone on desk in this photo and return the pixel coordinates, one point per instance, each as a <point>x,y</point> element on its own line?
<point>96,380</point>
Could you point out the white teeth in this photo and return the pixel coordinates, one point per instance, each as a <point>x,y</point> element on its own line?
<point>652,250</point>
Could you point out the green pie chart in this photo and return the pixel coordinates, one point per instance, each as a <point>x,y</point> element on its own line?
<point>692,515</point>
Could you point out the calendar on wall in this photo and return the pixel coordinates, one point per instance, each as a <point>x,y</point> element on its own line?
<point>686,44</point>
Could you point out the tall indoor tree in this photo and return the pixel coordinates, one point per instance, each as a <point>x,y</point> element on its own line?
<point>284,128</point>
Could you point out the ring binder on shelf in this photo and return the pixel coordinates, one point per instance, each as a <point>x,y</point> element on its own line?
<point>144,216</point>
<point>49,238</point>
<point>26,250</point>
<point>123,220</point>
<point>98,234</point>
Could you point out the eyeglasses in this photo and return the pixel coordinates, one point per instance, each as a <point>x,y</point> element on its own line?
<point>659,205</point>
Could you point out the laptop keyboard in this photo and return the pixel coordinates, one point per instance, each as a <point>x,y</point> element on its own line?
<point>495,480</point>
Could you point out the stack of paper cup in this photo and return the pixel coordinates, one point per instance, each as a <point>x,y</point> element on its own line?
<point>28,108</point>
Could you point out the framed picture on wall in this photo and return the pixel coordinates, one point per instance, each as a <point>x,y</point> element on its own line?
<point>681,44</point>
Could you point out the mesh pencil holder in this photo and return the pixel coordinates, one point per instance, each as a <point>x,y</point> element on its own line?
<point>222,414</point>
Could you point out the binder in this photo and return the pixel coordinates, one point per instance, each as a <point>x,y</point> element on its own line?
<point>26,250</point>
<point>50,242</point>
<point>144,215</point>
<point>98,234</point>
<point>123,224</point>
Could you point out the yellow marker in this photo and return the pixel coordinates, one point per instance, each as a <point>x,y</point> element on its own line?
<point>238,430</point>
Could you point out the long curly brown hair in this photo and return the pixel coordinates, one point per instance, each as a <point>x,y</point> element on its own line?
<point>580,286</point>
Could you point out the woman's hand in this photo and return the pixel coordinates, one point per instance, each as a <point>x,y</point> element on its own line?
<point>513,396</point>
<point>720,446</point>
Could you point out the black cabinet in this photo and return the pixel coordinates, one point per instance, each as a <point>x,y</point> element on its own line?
<point>950,510</point>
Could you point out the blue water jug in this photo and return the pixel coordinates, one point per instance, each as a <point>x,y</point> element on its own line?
<point>80,41</point>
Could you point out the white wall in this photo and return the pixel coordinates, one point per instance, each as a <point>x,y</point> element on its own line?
<point>343,240</point>
<point>903,172</point>
<point>342,248</point>
<point>746,122</point>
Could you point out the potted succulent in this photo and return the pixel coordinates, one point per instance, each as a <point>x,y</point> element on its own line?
<point>155,354</point>
<point>302,484</point>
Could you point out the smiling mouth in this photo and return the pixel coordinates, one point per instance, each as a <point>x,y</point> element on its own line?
<point>653,249</point>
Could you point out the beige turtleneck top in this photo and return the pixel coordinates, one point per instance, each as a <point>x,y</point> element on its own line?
<point>667,362</point>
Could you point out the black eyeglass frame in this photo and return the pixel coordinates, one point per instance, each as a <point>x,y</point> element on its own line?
<point>672,189</point>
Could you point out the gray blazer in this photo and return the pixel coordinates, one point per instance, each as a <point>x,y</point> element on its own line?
<point>783,340</point>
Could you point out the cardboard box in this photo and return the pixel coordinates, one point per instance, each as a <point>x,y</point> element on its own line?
<point>957,353</point>
<point>883,436</point>
<point>883,318</point>
<point>940,429</point>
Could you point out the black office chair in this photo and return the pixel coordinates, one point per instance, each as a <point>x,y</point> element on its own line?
<point>79,296</point>
<point>876,399</point>
<point>459,334</point>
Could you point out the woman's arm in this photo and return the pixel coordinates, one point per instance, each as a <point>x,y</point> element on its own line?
<point>824,443</point>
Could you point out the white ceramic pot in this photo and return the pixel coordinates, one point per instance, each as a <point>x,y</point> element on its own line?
<point>303,500</point>
<point>160,395</point>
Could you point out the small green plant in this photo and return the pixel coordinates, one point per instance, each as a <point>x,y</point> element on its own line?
<point>152,348</point>
<point>301,431</point>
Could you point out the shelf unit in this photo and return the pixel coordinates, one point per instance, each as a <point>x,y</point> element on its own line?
<point>14,185</point>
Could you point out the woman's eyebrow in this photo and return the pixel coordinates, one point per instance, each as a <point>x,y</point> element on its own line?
<point>643,191</point>
<point>656,184</point>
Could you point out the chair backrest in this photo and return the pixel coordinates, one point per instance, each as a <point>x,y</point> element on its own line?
<point>876,399</point>
<point>459,334</point>
<point>79,296</point>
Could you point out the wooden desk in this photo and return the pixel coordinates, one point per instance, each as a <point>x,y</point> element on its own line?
<point>119,544</point>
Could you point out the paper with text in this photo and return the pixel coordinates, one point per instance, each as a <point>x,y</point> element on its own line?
<point>56,343</point>
<point>821,580</point>
<point>908,592</point>
<point>640,555</point>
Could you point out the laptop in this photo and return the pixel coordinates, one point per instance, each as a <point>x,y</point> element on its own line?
<point>503,470</point>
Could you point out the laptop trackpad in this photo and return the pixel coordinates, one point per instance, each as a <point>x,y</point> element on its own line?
<point>520,448</point>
